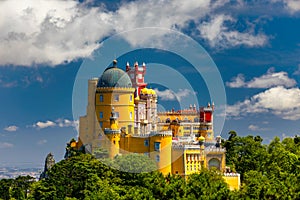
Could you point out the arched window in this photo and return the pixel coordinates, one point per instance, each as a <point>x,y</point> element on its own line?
<point>214,163</point>
<point>168,120</point>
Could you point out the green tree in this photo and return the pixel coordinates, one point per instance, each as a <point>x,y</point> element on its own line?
<point>134,163</point>
<point>20,187</point>
<point>69,178</point>
<point>245,153</point>
<point>208,184</point>
<point>5,185</point>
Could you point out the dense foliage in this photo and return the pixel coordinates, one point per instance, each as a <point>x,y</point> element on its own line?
<point>267,171</point>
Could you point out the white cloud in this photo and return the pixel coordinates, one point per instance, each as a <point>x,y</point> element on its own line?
<point>42,142</point>
<point>41,125</point>
<point>57,123</point>
<point>219,35</point>
<point>280,101</point>
<point>56,31</point>
<point>67,123</point>
<point>268,80</point>
<point>11,128</point>
<point>253,127</point>
<point>5,145</point>
<point>171,95</point>
<point>237,82</point>
<point>291,5</point>
<point>49,31</point>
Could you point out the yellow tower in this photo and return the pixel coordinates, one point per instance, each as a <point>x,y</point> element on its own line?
<point>113,134</point>
<point>160,150</point>
<point>114,90</point>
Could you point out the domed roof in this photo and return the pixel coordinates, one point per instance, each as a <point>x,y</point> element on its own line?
<point>144,91</point>
<point>148,91</point>
<point>114,77</point>
<point>201,139</point>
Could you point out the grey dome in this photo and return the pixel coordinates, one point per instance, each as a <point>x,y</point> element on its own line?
<point>114,77</point>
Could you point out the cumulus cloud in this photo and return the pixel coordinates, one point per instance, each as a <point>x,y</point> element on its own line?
<point>280,101</point>
<point>168,94</point>
<point>11,128</point>
<point>67,123</point>
<point>237,82</point>
<point>57,123</point>
<point>41,125</point>
<point>5,145</point>
<point>268,80</point>
<point>55,32</point>
<point>219,35</point>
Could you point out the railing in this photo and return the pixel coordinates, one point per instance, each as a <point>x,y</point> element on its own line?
<point>231,174</point>
<point>214,149</point>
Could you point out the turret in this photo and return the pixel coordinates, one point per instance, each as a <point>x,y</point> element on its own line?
<point>136,75</point>
<point>113,135</point>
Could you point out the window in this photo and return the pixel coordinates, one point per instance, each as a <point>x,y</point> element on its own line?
<point>116,97</point>
<point>146,154</point>
<point>157,158</point>
<point>130,98</point>
<point>130,115</point>
<point>101,115</point>
<point>156,146</point>
<point>214,163</point>
<point>129,128</point>
<point>101,124</point>
<point>146,143</point>
<point>101,98</point>
<point>117,114</point>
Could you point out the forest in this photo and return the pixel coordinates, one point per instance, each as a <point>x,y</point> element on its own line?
<point>268,171</point>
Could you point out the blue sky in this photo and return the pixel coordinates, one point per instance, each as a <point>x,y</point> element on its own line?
<point>44,45</point>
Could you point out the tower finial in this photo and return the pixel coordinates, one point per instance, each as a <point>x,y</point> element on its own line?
<point>115,63</point>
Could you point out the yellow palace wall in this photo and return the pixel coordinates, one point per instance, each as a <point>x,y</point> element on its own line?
<point>123,105</point>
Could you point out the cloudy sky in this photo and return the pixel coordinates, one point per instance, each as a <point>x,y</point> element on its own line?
<point>43,44</point>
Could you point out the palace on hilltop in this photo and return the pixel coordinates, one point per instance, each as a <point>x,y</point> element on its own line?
<point>121,117</point>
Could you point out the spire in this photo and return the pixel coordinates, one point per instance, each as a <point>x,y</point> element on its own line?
<point>127,67</point>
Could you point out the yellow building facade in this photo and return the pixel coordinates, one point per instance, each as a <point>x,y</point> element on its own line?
<point>122,118</point>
